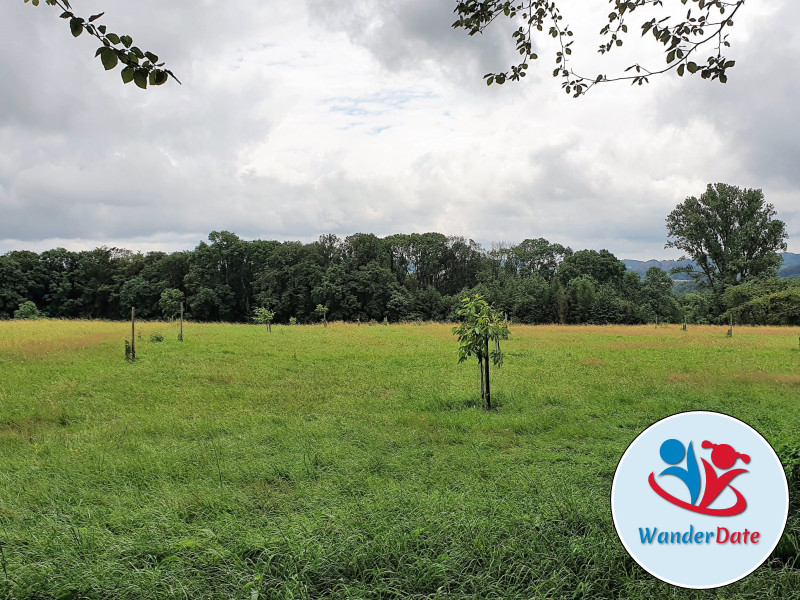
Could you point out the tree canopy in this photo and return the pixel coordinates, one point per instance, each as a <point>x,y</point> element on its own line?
<point>401,277</point>
<point>730,233</point>
<point>682,38</point>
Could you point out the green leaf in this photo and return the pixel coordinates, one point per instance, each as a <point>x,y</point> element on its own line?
<point>691,67</point>
<point>94,18</point>
<point>127,74</point>
<point>160,77</point>
<point>126,40</point>
<point>152,57</point>
<point>76,26</point>
<point>140,78</point>
<point>109,58</point>
<point>681,69</point>
<point>113,38</point>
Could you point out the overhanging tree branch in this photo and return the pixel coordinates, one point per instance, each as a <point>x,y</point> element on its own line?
<point>681,40</point>
<point>139,66</point>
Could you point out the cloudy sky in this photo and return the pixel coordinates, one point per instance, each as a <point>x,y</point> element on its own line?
<point>301,118</point>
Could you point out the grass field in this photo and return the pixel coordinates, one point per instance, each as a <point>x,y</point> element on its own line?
<point>354,462</point>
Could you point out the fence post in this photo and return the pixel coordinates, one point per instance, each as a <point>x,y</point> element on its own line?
<point>133,333</point>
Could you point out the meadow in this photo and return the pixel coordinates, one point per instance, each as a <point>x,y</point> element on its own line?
<point>355,461</point>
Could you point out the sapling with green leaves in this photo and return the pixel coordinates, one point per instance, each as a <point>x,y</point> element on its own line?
<point>480,325</point>
<point>264,316</point>
<point>321,311</point>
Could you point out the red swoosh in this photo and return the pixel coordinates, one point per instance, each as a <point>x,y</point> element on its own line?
<point>737,508</point>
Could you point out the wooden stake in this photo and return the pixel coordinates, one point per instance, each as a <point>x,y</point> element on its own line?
<point>486,362</point>
<point>180,337</point>
<point>133,333</point>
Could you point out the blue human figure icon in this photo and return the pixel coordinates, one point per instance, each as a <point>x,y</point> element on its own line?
<point>672,452</point>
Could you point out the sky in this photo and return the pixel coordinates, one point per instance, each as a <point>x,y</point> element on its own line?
<point>297,119</point>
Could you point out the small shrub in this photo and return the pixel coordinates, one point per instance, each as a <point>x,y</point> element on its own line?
<point>292,321</point>
<point>27,310</point>
<point>157,337</point>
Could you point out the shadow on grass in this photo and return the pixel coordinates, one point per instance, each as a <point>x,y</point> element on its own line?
<point>459,403</point>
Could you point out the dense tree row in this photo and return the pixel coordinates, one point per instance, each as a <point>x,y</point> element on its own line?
<point>399,277</point>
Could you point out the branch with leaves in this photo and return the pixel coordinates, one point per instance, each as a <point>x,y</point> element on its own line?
<point>681,37</point>
<point>139,66</point>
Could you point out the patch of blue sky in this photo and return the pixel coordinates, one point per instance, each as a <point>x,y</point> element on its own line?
<point>376,103</point>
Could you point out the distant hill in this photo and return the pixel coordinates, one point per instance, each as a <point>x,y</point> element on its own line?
<point>641,266</point>
<point>790,267</point>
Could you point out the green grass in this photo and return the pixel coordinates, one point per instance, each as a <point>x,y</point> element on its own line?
<point>354,462</point>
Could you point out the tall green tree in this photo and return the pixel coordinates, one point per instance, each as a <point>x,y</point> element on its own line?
<point>538,257</point>
<point>730,233</point>
<point>659,297</point>
<point>601,266</point>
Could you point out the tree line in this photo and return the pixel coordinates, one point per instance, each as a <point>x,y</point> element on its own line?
<point>361,277</point>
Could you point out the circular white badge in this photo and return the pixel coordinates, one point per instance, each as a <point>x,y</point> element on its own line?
<point>699,499</point>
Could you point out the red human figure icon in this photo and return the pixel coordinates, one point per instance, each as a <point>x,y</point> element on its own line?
<point>724,457</point>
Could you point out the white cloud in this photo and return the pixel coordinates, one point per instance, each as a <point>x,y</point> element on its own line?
<point>295,120</point>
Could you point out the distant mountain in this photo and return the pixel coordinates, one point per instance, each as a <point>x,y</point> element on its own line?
<point>641,266</point>
<point>790,267</point>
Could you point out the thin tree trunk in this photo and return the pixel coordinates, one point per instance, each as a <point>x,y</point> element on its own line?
<point>480,372</point>
<point>486,362</point>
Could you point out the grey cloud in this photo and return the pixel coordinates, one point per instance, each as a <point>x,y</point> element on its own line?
<point>406,34</point>
<point>84,158</point>
<point>756,111</point>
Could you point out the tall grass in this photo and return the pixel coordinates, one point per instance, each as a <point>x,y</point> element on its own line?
<point>353,462</point>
